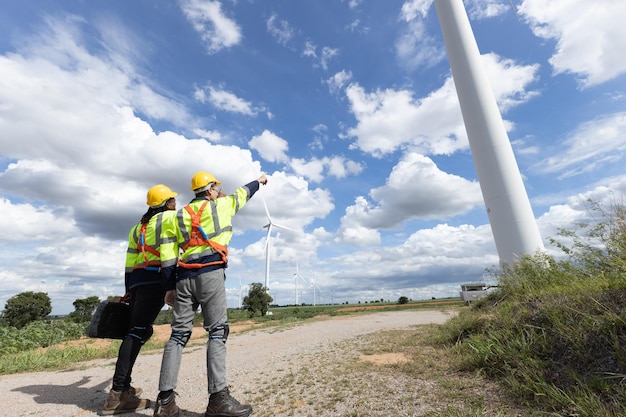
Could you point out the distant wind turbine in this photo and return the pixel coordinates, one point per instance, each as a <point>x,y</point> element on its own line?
<point>295,278</point>
<point>270,224</point>
<point>315,287</point>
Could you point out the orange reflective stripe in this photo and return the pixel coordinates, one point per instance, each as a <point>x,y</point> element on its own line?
<point>198,266</point>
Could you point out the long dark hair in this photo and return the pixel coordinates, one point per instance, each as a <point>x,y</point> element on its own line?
<point>151,212</point>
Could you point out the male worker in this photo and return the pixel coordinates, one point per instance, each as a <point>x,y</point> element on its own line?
<point>205,229</point>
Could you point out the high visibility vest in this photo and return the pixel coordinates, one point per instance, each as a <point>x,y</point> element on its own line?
<point>212,230</point>
<point>198,237</point>
<point>153,245</point>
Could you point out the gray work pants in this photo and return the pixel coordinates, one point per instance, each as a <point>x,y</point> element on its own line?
<point>209,292</point>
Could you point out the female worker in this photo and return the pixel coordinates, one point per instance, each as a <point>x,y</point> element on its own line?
<point>150,271</point>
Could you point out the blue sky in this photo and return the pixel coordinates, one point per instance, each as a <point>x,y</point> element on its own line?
<point>347,105</point>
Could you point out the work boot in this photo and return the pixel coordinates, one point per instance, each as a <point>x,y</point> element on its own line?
<point>221,404</point>
<point>123,402</point>
<point>166,407</point>
<point>134,391</point>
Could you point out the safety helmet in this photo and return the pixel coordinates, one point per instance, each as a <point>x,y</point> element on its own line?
<point>201,180</point>
<point>158,195</point>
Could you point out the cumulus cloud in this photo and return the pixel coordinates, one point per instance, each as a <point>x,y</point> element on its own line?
<point>595,56</point>
<point>270,147</point>
<point>390,120</point>
<point>415,189</point>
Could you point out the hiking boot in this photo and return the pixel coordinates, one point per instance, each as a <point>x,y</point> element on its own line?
<point>134,391</point>
<point>123,402</point>
<point>221,404</point>
<point>166,407</point>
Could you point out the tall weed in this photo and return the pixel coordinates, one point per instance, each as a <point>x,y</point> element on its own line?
<point>554,332</point>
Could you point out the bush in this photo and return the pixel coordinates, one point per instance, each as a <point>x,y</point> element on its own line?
<point>38,334</point>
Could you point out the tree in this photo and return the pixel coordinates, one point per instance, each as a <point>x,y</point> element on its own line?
<point>26,307</point>
<point>83,309</point>
<point>257,300</point>
<point>403,300</point>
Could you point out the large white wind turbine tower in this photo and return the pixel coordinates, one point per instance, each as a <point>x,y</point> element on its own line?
<point>270,224</point>
<point>510,214</point>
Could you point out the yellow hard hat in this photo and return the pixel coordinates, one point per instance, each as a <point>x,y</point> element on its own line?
<point>201,180</point>
<point>158,195</point>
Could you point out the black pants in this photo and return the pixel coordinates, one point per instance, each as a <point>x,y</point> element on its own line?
<point>146,303</point>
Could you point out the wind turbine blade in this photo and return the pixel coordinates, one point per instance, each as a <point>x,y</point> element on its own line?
<point>284,227</point>
<point>267,212</point>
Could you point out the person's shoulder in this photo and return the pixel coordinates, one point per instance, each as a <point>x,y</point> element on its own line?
<point>169,214</point>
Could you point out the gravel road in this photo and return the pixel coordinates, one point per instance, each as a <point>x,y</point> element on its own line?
<point>81,392</point>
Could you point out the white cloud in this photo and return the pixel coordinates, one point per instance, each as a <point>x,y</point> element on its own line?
<point>320,138</point>
<point>415,189</point>
<point>340,167</point>
<point>336,166</point>
<point>576,210</point>
<point>327,54</point>
<point>290,203</point>
<point>389,120</point>
<point>25,222</point>
<point>211,135</point>
<point>338,81</point>
<point>270,147</point>
<point>440,255</point>
<point>352,230</point>
<point>482,9</point>
<point>592,146</point>
<point>216,30</point>
<point>309,49</point>
<point>224,100</point>
<point>415,9</point>
<point>416,48</point>
<point>313,169</point>
<point>354,3</point>
<point>596,56</point>
<point>280,30</point>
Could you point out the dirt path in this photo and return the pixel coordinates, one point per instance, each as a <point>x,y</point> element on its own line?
<point>82,392</point>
